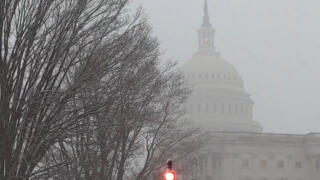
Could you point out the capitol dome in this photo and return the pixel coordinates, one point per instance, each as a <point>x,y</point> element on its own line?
<point>219,101</point>
<point>210,70</point>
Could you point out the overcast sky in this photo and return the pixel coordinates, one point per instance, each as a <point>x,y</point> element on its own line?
<point>274,45</point>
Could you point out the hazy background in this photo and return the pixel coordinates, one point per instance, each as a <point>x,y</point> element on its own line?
<point>274,44</point>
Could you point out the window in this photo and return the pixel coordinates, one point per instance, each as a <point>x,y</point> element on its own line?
<point>208,177</point>
<point>200,75</point>
<point>280,164</point>
<point>190,109</point>
<point>263,164</point>
<point>213,163</point>
<point>212,75</point>
<point>229,108</point>
<point>298,165</point>
<point>222,108</point>
<point>199,108</point>
<point>318,165</point>
<point>216,161</point>
<point>236,109</point>
<point>207,108</point>
<point>244,163</point>
<point>215,107</point>
<point>245,178</point>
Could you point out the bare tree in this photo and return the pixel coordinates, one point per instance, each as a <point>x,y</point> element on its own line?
<point>83,94</point>
<point>138,119</point>
<point>47,58</point>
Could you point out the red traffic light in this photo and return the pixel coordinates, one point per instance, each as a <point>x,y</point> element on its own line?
<point>170,175</point>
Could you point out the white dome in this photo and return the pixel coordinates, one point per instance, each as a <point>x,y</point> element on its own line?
<point>210,70</point>
<point>219,101</point>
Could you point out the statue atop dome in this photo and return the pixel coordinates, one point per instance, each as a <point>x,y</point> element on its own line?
<point>205,8</point>
<point>206,18</point>
<point>206,32</point>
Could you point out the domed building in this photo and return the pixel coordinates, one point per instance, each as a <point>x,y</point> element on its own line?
<point>238,149</point>
<point>219,100</point>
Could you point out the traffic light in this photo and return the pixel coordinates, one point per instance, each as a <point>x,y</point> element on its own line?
<point>169,174</point>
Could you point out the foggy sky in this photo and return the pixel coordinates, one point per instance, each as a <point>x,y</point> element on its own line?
<point>274,45</point>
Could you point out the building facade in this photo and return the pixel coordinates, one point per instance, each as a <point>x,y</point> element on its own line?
<point>239,150</point>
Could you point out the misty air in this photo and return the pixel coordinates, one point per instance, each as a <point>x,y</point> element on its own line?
<point>159,90</point>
